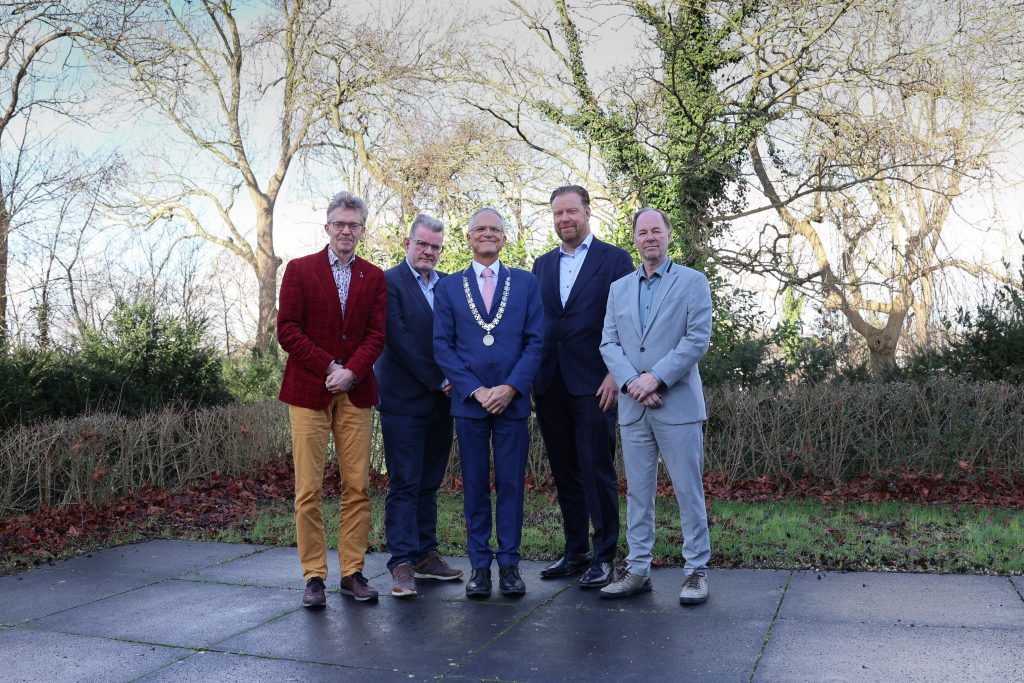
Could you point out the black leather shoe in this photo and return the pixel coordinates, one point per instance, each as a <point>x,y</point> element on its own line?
<point>599,575</point>
<point>479,584</point>
<point>510,582</point>
<point>566,565</point>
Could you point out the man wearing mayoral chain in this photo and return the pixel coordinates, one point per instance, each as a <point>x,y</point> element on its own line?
<point>488,326</point>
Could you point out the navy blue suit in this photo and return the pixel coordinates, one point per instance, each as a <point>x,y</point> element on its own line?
<point>578,436</point>
<point>415,418</point>
<point>469,364</point>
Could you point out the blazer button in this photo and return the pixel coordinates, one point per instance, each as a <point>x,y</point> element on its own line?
<point>642,349</point>
<point>564,318</point>
<point>344,336</point>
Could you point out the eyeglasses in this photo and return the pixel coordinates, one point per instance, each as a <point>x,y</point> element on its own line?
<point>423,244</point>
<point>481,229</point>
<point>338,226</point>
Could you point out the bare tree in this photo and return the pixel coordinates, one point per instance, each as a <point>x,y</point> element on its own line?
<point>30,79</point>
<point>857,123</point>
<point>914,116</point>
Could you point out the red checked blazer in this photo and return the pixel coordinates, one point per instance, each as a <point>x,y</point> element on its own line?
<point>311,329</point>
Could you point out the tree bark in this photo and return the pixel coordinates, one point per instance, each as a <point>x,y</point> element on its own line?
<point>5,231</point>
<point>267,264</point>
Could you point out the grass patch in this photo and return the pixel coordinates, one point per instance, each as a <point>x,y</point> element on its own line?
<point>788,534</point>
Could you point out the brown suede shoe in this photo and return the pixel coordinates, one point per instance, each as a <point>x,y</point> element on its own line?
<point>357,586</point>
<point>403,585</point>
<point>434,566</point>
<point>315,595</point>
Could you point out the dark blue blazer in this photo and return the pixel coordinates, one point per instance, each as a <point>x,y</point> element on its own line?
<point>572,334</point>
<point>408,377</point>
<point>458,340</point>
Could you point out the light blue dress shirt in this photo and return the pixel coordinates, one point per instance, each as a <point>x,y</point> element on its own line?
<point>427,287</point>
<point>569,266</point>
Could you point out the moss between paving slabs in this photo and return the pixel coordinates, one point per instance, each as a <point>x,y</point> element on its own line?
<point>788,534</point>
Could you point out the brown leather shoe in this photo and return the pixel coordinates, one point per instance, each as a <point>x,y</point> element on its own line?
<point>434,566</point>
<point>403,585</point>
<point>316,593</point>
<point>358,587</point>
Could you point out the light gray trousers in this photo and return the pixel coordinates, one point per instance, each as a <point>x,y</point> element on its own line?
<point>682,449</point>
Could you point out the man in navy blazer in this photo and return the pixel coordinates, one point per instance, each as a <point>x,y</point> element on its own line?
<point>574,391</point>
<point>415,413</point>
<point>488,322</point>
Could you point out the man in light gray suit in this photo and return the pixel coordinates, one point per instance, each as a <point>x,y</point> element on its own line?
<point>657,326</point>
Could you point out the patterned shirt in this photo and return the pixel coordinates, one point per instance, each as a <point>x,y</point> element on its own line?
<point>342,276</point>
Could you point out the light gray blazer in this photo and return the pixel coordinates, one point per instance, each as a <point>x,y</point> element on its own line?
<point>677,336</point>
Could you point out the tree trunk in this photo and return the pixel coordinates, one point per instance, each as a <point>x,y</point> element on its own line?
<point>882,350</point>
<point>5,231</point>
<point>267,263</point>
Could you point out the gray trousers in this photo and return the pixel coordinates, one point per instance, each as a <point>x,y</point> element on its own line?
<point>682,449</point>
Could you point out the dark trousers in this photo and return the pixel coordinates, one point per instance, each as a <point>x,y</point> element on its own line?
<point>510,439</point>
<point>416,452</point>
<point>580,441</point>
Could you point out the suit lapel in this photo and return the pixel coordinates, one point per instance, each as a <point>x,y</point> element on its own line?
<point>355,286</point>
<point>326,278</point>
<point>633,300</point>
<point>410,282</point>
<point>596,254</point>
<point>668,281</point>
<point>474,289</point>
<point>551,278</point>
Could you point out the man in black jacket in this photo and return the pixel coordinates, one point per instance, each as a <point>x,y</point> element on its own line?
<point>574,393</point>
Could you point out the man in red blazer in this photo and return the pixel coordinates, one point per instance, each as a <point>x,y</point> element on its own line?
<point>331,322</point>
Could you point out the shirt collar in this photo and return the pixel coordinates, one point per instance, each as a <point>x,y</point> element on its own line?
<point>430,279</point>
<point>660,272</point>
<point>479,267</point>
<point>584,246</point>
<point>333,259</point>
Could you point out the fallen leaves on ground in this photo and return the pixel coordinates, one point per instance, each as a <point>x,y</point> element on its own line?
<point>223,501</point>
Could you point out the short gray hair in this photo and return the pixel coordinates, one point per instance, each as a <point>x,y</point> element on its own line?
<point>485,209</point>
<point>640,212</point>
<point>347,200</point>
<point>422,220</point>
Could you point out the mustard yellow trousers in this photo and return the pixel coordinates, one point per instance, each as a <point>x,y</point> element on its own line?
<point>310,430</point>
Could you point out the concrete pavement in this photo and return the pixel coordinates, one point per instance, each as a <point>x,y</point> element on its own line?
<point>180,610</point>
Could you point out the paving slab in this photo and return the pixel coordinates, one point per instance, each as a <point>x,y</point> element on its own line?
<point>242,602</point>
<point>274,567</point>
<point>879,598</point>
<point>631,645</point>
<point>30,655</point>
<point>159,558</point>
<point>224,667</point>
<point>734,593</point>
<point>174,612</point>
<point>870,652</point>
<point>47,590</point>
<point>424,636</point>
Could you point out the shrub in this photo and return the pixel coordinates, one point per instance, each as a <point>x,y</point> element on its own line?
<point>99,456</point>
<point>142,361</point>
<point>254,378</point>
<point>145,360</point>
